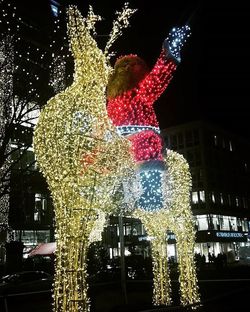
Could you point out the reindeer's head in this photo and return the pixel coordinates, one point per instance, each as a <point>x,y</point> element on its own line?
<point>91,65</point>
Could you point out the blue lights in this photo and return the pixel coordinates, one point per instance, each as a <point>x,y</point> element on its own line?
<point>175,41</point>
<point>151,176</point>
<point>54,8</point>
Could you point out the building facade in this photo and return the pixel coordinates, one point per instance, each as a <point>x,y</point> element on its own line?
<point>219,162</point>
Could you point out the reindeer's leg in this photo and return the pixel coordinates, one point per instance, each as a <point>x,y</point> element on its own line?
<point>183,227</point>
<point>59,278</point>
<point>185,240</point>
<point>162,287</point>
<point>70,291</point>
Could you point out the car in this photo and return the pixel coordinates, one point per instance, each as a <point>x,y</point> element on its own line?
<point>25,282</point>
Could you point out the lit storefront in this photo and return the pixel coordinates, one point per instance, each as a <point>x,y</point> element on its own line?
<point>215,234</point>
<point>218,234</point>
<point>31,238</point>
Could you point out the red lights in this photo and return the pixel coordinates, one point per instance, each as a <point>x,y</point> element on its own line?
<point>146,145</point>
<point>135,106</point>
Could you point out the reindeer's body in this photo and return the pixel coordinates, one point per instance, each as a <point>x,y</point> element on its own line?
<point>80,155</point>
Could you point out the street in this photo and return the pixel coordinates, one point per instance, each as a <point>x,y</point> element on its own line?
<point>225,290</point>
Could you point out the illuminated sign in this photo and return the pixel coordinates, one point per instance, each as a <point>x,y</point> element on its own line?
<point>229,234</point>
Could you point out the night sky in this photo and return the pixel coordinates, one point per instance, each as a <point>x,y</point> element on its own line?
<point>212,80</point>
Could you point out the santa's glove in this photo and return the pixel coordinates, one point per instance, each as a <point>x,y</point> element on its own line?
<point>175,41</point>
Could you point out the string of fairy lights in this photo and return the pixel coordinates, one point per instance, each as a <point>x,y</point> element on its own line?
<point>14,24</point>
<point>6,90</point>
<point>121,22</point>
<point>60,55</point>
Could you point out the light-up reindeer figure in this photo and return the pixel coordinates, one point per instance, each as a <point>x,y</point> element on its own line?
<point>163,176</point>
<point>82,158</point>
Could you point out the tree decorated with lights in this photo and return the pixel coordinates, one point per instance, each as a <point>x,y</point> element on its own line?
<point>18,108</point>
<point>24,71</point>
<point>163,200</point>
<point>82,157</point>
<point>6,89</point>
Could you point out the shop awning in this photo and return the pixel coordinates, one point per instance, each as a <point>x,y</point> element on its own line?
<point>44,249</point>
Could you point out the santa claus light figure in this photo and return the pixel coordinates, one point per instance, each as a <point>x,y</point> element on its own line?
<point>131,92</point>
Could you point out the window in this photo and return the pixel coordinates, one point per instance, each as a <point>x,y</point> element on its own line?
<point>202,196</point>
<point>202,222</point>
<point>31,238</point>
<point>40,207</point>
<point>237,201</point>
<point>245,167</point>
<point>224,223</point>
<point>36,216</point>
<point>233,224</point>
<point>245,204</point>
<point>230,146</point>
<point>195,198</point>
<point>245,225</point>
<point>215,222</point>
<point>221,199</point>
<point>215,140</point>
<point>239,224</point>
<point>127,229</point>
<point>213,197</point>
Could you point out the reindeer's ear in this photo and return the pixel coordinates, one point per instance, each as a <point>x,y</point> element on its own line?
<point>76,28</point>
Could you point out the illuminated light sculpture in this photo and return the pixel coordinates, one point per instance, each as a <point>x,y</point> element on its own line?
<point>81,156</point>
<point>163,202</point>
